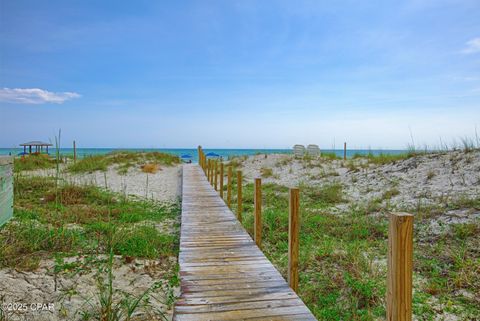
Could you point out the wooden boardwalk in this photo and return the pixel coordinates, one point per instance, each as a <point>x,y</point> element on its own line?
<point>224,275</point>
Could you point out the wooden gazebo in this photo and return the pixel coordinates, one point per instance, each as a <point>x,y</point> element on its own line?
<point>35,147</point>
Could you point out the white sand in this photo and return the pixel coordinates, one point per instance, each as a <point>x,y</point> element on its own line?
<point>73,291</point>
<point>428,180</point>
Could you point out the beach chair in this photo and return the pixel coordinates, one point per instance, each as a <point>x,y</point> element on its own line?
<point>298,150</point>
<point>313,150</point>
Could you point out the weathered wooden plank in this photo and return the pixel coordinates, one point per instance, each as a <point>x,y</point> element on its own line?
<point>242,314</point>
<point>239,306</point>
<point>224,275</point>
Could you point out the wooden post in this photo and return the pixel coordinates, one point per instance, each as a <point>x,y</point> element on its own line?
<point>345,151</point>
<point>293,230</point>
<point>239,196</point>
<point>209,162</point>
<point>216,175</point>
<point>400,267</point>
<point>258,212</point>
<point>221,180</point>
<point>199,151</point>
<point>74,152</point>
<point>211,172</point>
<point>229,186</point>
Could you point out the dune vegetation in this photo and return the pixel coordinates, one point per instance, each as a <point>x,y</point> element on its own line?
<point>78,230</point>
<point>123,160</point>
<point>343,256</point>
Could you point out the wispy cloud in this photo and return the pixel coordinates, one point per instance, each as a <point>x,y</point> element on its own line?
<point>472,46</point>
<point>35,96</point>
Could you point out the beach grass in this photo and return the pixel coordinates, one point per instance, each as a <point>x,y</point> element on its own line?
<point>343,256</point>
<point>383,158</point>
<point>123,160</point>
<point>79,220</point>
<point>33,162</point>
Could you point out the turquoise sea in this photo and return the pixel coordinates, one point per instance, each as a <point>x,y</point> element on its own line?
<point>225,153</point>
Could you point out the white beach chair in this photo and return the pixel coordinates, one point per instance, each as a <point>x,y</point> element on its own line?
<point>313,150</point>
<point>298,150</point>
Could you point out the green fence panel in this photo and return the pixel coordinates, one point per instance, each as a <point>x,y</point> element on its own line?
<point>6,189</point>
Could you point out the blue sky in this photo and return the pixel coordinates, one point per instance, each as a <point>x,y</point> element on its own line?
<point>251,74</point>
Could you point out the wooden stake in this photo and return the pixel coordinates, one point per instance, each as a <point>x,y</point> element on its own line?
<point>208,169</point>
<point>239,196</point>
<point>221,180</point>
<point>400,267</point>
<point>345,151</point>
<point>293,230</point>
<point>229,186</point>
<point>74,152</point>
<point>216,175</point>
<point>211,172</point>
<point>199,151</point>
<point>258,212</point>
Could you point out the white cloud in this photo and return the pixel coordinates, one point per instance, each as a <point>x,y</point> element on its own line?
<point>34,96</point>
<point>473,46</point>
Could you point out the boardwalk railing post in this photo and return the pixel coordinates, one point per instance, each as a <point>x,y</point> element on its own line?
<point>258,212</point>
<point>400,267</point>
<point>211,171</point>
<point>293,230</point>
<point>216,175</point>
<point>345,151</point>
<point>221,180</point>
<point>74,152</point>
<point>239,196</point>
<point>199,152</point>
<point>208,170</point>
<point>229,186</point>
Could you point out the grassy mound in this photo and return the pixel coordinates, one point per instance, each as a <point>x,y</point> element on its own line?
<point>33,162</point>
<point>74,220</point>
<point>123,160</point>
<point>343,256</point>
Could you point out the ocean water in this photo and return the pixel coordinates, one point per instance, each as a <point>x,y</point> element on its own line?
<point>225,153</point>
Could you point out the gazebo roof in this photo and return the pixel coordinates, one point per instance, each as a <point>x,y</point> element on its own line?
<point>36,143</point>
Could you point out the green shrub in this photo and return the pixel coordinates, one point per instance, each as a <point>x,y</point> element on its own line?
<point>33,162</point>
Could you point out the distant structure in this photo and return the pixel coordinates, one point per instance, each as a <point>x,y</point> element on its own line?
<point>35,147</point>
<point>313,150</point>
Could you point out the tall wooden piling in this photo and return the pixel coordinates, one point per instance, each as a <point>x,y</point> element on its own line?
<point>216,175</point>
<point>293,241</point>
<point>400,267</point>
<point>229,186</point>
<point>345,151</point>
<point>258,212</point>
<point>199,152</point>
<point>221,180</point>
<point>74,152</point>
<point>239,196</point>
<point>208,169</point>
